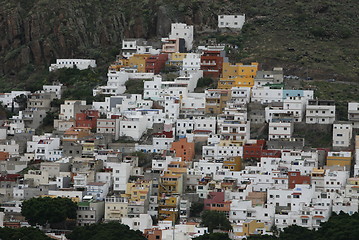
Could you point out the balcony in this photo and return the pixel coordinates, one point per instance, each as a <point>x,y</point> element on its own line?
<point>209,63</point>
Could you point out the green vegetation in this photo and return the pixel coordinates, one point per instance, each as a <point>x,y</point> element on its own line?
<point>134,86</point>
<point>341,93</point>
<point>48,210</point>
<point>215,220</point>
<point>339,227</point>
<point>24,233</point>
<point>108,231</point>
<point>79,83</point>
<point>47,123</point>
<point>213,236</point>
<point>204,82</point>
<point>317,136</point>
<point>196,209</point>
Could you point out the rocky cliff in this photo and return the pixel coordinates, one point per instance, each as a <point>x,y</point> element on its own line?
<point>320,35</point>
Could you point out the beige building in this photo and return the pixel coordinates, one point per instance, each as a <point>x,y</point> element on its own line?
<point>216,100</point>
<point>115,208</point>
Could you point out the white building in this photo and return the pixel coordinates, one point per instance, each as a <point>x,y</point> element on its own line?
<point>98,190</point>
<point>70,108</point>
<point>132,125</point>
<point>45,147</point>
<point>182,30</point>
<point>7,99</point>
<point>231,21</point>
<point>10,146</point>
<point>280,130</point>
<point>120,173</point>
<point>137,46</point>
<point>116,81</point>
<point>108,126</point>
<point>342,134</point>
<point>80,64</point>
<point>142,222</point>
<point>356,165</point>
<point>320,112</point>
<point>266,95</point>
<point>152,88</point>
<point>269,77</point>
<point>184,127</point>
<point>57,89</point>
<point>241,95</point>
<point>192,104</point>
<point>353,113</point>
<point>192,62</point>
<point>222,151</point>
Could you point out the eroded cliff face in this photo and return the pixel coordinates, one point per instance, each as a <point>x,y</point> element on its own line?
<point>37,32</point>
<point>45,31</point>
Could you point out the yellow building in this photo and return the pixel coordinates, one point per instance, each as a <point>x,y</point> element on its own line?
<point>216,100</point>
<point>176,59</point>
<point>138,191</point>
<point>233,164</point>
<point>170,183</point>
<point>178,167</point>
<point>249,228</point>
<point>168,208</point>
<point>88,147</point>
<point>137,61</point>
<point>343,159</point>
<point>238,75</point>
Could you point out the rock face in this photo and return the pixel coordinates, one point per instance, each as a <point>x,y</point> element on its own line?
<point>37,32</point>
<point>33,33</point>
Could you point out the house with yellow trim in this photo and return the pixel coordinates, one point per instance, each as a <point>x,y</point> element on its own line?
<point>343,159</point>
<point>238,75</point>
<point>248,228</point>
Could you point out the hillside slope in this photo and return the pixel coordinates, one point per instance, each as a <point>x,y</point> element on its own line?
<point>315,36</point>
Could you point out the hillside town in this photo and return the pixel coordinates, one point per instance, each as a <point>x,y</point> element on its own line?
<point>205,132</point>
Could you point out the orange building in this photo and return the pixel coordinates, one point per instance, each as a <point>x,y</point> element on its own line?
<point>238,75</point>
<point>153,234</point>
<point>184,149</point>
<point>4,156</point>
<point>75,133</point>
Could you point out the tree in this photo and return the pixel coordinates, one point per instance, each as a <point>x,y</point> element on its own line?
<point>215,220</point>
<point>108,231</point>
<point>196,209</point>
<point>21,100</point>
<point>48,210</point>
<point>24,233</point>
<point>213,236</point>
<point>295,232</point>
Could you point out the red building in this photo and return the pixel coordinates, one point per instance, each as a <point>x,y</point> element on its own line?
<point>258,150</point>
<point>253,151</point>
<point>271,153</point>
<point>155,63</point>
<point>215,202</point>
<point>163,134</point>
<point>10,177</point>
<point>294,178</point>
<point>87,118</point>
<point>212,63</point>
